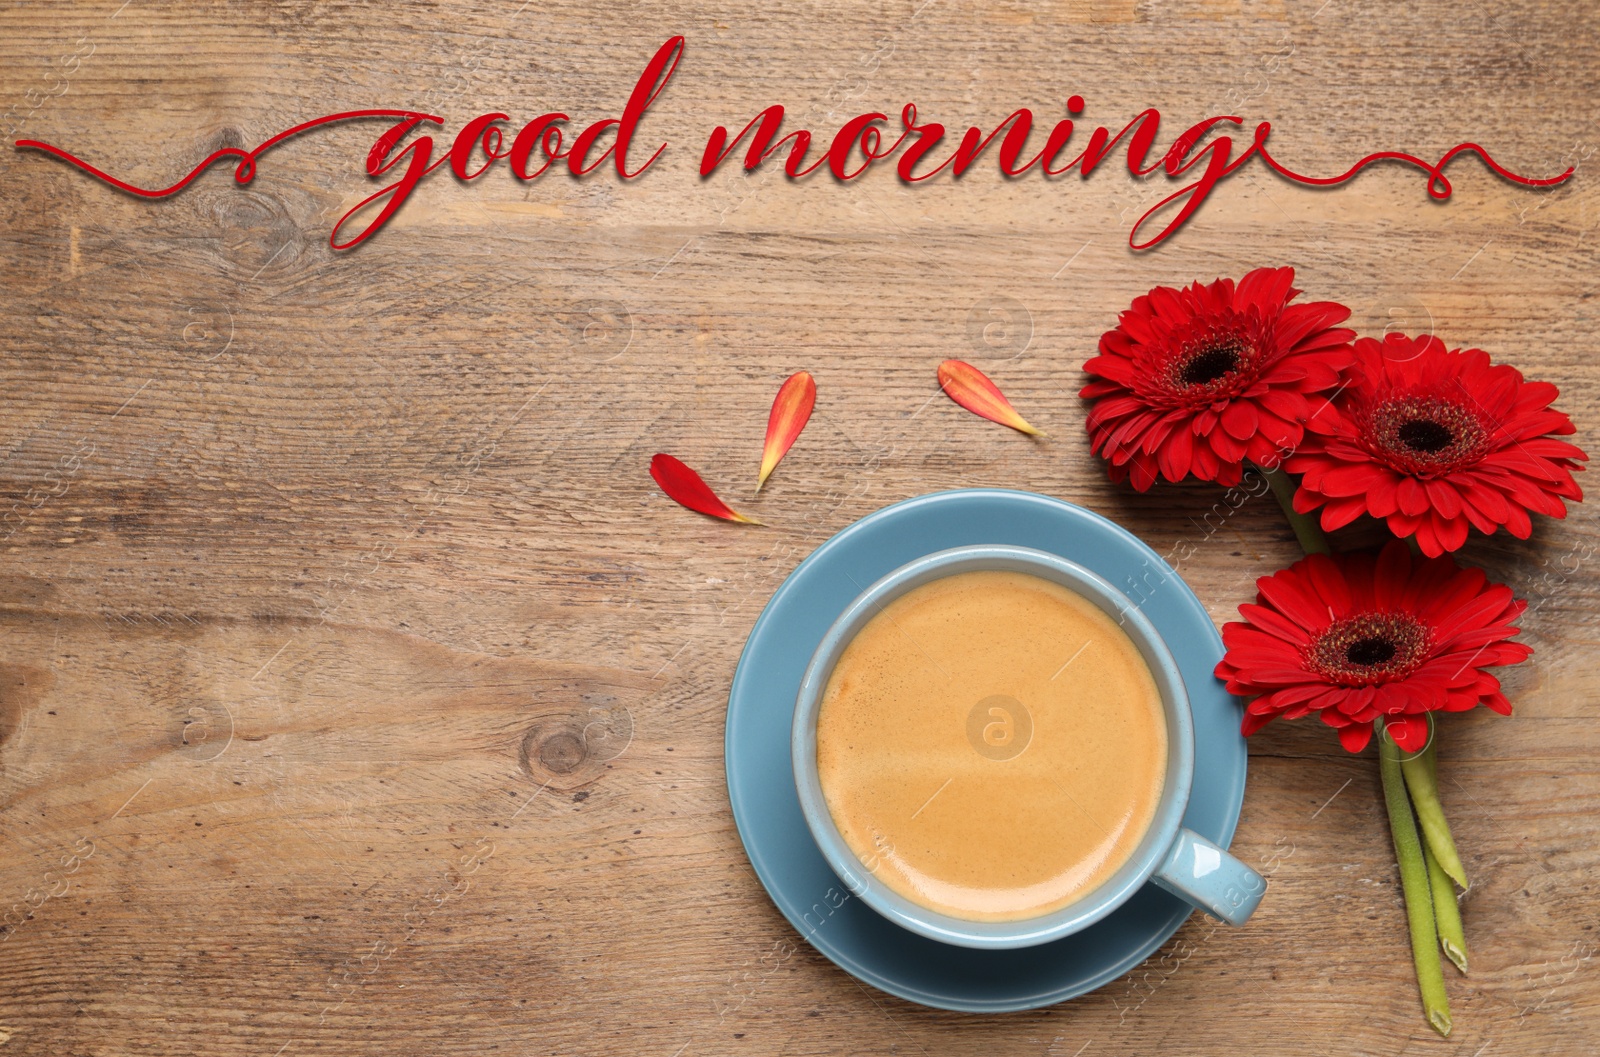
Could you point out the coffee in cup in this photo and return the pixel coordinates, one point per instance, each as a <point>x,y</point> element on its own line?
<point>992,744</point>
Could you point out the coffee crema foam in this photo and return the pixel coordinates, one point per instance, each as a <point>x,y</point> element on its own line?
<point>992,746</point>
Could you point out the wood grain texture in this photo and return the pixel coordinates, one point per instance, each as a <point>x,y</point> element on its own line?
<point>361,694</point>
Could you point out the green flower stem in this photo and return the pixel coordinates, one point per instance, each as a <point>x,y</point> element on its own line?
<point>1414,886</point>
<point>1446,911</point>
<point>1422,779</point>
<point>1305,526</point>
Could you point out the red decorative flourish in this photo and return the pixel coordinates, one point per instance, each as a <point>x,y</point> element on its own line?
<point>246,170</point>
<point>859,142</point>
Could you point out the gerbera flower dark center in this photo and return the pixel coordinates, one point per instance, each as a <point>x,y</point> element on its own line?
<point>1370,648</point>
<point>1422,435</point>
<point>1426,434</point>
<point>1215,360</point>
<point>1369,652</point>
<point>1211,363</point>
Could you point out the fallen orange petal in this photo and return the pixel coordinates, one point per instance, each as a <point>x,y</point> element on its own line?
<point>791,410</point>
<point>971,388</point>
<point>685,487</point>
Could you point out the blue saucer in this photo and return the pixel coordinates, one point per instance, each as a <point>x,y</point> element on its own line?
<point>766,808</point>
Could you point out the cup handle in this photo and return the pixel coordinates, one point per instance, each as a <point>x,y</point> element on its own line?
<point>1199,872</point>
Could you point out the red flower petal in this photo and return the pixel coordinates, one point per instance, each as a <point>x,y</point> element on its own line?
<point>1355,737</point>
<point>791,410</point>
<point>1390,576</point>
<point>1177,454</point>
<point>1451,532</point>
<point>1273,623</point>
<point>1240,419</point>
<point>973,390</point>
<point>1340,512</point>
<point>1295,598</point>
<point>1228,448</point>
<point>1411,497</point>
<point>1409,732</point>
<point>685,486</point>
<point>1444,499</point>
<point>1251,723</point>
<point>1498,703</point>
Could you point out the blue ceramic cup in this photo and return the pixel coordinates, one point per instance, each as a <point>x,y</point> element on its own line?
<point>1178,860</point>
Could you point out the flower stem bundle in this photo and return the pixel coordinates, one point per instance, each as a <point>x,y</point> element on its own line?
<point>1421,773</point>
<point>1416,888</point>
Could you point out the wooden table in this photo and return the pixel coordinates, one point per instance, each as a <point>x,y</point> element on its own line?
<point>360,693</point>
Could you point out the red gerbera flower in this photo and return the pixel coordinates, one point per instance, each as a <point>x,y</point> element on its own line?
<point>1361,635</point>
<point>1198,380</point>
<point>1434,441</point>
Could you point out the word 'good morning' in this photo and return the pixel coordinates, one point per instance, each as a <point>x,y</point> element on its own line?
<point>1204,154</point>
